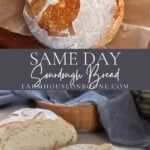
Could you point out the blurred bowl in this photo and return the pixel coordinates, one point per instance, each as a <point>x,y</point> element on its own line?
<point>83,117</point>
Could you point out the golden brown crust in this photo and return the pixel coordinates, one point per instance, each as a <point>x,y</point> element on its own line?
<point>115,27</point>
<point>35,7</point>
<point>59,17</point>
<point>56,26</point>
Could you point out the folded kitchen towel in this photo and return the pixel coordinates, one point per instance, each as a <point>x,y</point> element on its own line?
<point>116,109</point>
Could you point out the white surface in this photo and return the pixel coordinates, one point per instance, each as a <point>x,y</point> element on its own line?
<point>99,137</point>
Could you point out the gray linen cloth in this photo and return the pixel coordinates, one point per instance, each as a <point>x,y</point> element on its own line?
<point>117,111</point>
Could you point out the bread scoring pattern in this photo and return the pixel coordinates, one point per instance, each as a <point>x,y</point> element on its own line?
<point>35,129</point>
<point>29,114</point>
<point>93,23</point>
<point>57,16</point>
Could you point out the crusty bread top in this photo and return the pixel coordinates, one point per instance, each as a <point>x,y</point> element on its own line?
<point>57,15</point>
<point>84,27</point>
<point>60,17</point>
<point>29,114</point>
<point>35,129</point>
<point>118,18</point>
<point>88,147</point>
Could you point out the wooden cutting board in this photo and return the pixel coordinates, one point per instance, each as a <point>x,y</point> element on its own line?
<point>17,41</point>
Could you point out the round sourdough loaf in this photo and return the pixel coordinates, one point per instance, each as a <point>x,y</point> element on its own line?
<point>35,129</point>
<point>74,23</point>
<point>88,147</point>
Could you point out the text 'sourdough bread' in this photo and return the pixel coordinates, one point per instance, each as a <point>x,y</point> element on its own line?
<point>88,147</point>
<point>35,129</point>
<point>74,23</point>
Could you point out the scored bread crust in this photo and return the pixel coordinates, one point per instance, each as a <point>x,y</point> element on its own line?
<point>115,27</point>
<point>107,37</point>
<point>45,128</point>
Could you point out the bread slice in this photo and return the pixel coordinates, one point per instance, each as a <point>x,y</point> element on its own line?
<point>35,129</point>
<point>88,147</point>
<point>74,23</point>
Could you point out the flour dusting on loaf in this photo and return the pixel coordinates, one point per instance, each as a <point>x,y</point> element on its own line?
<point>35,129</point>
<point>53,2</point>
<point>28,114</point>
<point>93,21</point>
